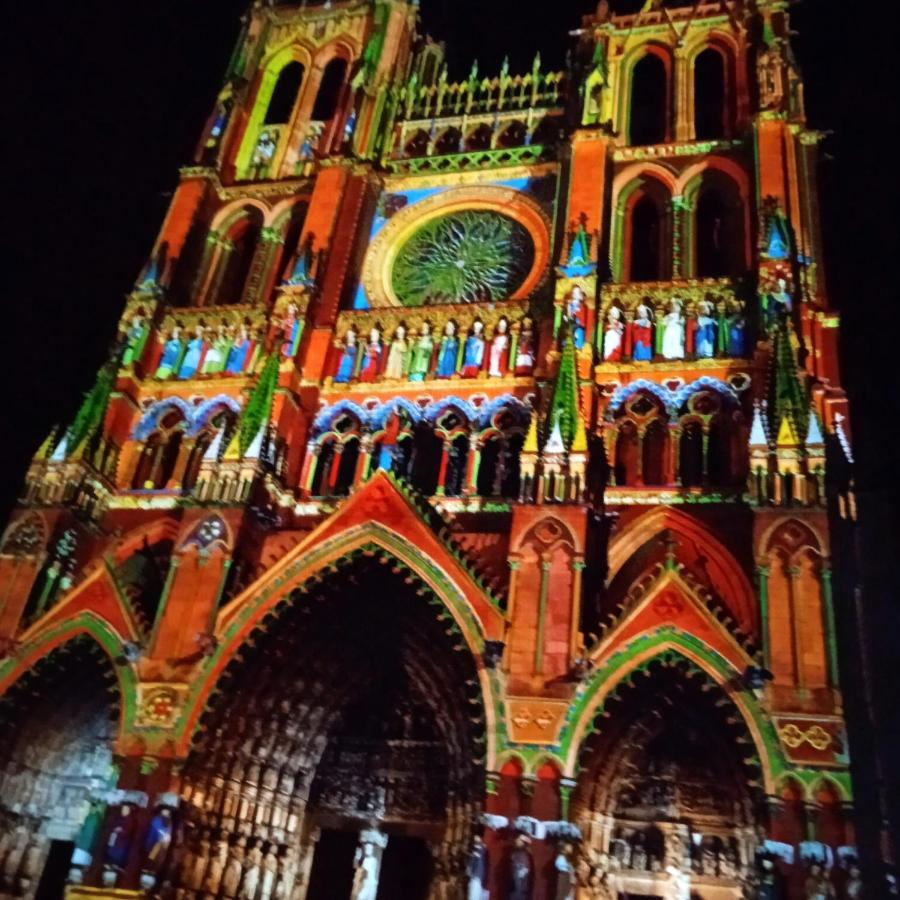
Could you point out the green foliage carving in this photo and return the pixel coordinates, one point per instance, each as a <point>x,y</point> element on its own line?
<point>464,257</point>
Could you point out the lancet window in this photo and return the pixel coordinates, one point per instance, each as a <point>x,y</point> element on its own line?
<point>160,454</point>
<point>231,254</point>
<point>711,114</point>
<point>649,102</point>
<point>285,95</point>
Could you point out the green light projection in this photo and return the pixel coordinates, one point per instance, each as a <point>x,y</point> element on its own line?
<point>463,257</point>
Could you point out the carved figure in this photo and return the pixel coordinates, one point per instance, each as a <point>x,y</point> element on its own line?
<point>499,355</point>
<point>397,354</point>
<point>612,335</point>
<point>642,334</point>
<point>449,352</point>
<point>477,870</point>
<point>422,350</point>
<point>673,332</point>
<point>520,870</point>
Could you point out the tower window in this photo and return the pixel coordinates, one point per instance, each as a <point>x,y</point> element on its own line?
<point>719,228</point>
<point>646,241</point>
<point>330,90</point>
<point>709,96</point>
<point>237,259</point>
<point>284,97</point>
<point>649,113</point>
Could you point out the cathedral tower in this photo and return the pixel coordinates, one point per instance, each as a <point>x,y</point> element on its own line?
<point>451,517</point>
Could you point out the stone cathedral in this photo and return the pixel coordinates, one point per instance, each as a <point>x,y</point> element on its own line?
<point>452,518</point>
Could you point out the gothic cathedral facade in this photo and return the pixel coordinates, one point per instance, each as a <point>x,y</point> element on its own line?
<point>452,516</point>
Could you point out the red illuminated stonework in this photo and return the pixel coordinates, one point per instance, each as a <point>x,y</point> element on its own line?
<point>452,516</point>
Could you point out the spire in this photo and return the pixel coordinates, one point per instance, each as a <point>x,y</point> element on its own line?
<point>564,414</point>
<point>259,406</point>
<point>92,411</point>
<point>758,436</point>
<point>788,401</point>
<point>814,439</point>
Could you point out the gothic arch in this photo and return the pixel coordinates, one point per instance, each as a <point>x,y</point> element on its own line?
<point>612,672</point>
<point>245,614</point>
<point>643,184</point>
<point>43,643</point>
<point>635,57</point>
<point>231,212</point>
<point>731,582</point>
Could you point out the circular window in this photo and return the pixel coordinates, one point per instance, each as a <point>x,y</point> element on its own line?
<point>463,257</point>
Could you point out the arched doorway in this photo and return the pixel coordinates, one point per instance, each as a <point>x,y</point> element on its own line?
<point>350,728</point>
<point>57,726</point>
<point>670,787</point>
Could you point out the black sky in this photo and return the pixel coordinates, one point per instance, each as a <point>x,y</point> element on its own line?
<point>105,100</point>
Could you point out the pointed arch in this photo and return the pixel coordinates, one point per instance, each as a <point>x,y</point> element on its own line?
<point>46,641</point>
<point>608,676</point>
<point>377,520</point>
<point>727,575</point>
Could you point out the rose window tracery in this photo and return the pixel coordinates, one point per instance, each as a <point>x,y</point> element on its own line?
<point>463,257</point>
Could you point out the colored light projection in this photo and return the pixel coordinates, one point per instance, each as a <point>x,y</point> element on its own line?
<point>464,257</point>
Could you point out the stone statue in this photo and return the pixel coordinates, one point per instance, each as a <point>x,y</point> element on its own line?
<point>269,874</point>
<point>252,871</point>
<point>231,878</point>
<point>520,866</point>
<point>817,886</point>
<point>853,889</point>
<point>477,870</point>
<point>365,879</point>
<point>565,874</point>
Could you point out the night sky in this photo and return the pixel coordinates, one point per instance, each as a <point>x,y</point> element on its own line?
<point>106,99</point>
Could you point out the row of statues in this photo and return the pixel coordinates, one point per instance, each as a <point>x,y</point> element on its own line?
<point>644,335</point>
<point>226,350</point>
<point>419,354</point>
<point>221,349</point>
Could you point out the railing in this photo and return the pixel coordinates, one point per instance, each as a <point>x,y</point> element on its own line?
<point>504,93</point>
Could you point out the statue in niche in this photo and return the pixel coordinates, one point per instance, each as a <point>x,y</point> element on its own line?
<point>231,878</point>
<point>216,867</point>
<point>121,837</point>
<point>565,874</point>
<point>269,874</point>
<point>498,361</point>
<point>288,868</point>
<point>642,334</point>
<point>576,316</point>
<point>737,331</point>
<point>448,355</point>
<point>395,367</point>
<point>217,352</point>
<point>421,353</point>
<point>135,339</point>
<point>263,154</point>
<point>525,351</point>
<point>473,352</point>
<point>224,103</point>
<point>672,331</point>
<point>290,330</point>
<point>477,870</point>
<point>239,352</point>
<point>252,871</point>
<point>193,356</point>
<point>372,352</point>
<point>705,331</point>
<point>346,367</point>
<point>171,355</point>
<point>520,870</point>
<point>769,70</point>
<point>158,839</point>
<point>368,865</point>
<point>817,885</point>
<point>613,335</point>
<point>853,889</point>
<point>778,303</point>
<point>639,858</point>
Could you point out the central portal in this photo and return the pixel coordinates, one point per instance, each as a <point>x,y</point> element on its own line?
<point>344,757</point>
